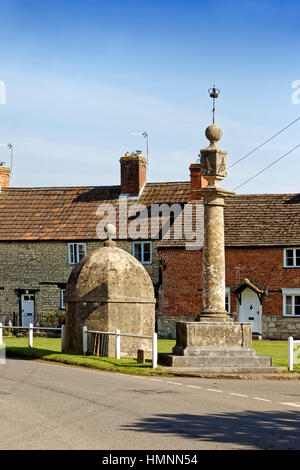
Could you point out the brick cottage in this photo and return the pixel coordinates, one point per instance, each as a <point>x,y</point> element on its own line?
<point>262,253</point>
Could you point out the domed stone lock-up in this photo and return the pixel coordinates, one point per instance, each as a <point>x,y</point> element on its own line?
<point>108,290</point>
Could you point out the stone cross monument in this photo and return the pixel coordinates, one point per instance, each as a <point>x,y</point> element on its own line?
<point>214,342</point>
<point>213,168</point>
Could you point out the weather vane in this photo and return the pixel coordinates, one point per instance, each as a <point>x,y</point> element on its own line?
<point>214,93</point>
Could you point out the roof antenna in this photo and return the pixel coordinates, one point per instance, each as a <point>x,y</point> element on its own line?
<point>146,135</point>
<point>214,93</point>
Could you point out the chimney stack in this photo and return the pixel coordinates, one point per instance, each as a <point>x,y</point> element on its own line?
<point>133,173</point>
<point>197,181</point>
<point>4,176</point>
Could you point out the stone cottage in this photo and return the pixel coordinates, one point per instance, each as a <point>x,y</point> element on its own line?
<point>44,232</point>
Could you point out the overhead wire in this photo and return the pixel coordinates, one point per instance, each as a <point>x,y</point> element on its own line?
<point>267,167</point>
<point>264,143</point>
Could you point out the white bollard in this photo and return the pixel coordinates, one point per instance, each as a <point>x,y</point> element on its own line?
<point>85,340</point>
<point>154,350</point>
<point>291,353</point>
<point>1,334</point>
<point>63,337</point>
<point>30,335</point>
<point>118,344</point>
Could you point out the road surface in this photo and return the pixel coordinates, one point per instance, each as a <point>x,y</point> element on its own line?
<point>49,406</point>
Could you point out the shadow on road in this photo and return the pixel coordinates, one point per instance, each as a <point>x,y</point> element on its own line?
<point>259,430</point>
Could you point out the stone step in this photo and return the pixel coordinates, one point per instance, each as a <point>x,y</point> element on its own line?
<point>214,361</point>
<point>214,352</point>
<point>232,372</point>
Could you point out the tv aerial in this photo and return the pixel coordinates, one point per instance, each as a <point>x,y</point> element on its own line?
<point>146,136</point>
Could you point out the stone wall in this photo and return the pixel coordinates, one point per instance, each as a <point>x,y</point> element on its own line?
<point>280,327</point>
<point>43,267</point>
<point>166,326</point>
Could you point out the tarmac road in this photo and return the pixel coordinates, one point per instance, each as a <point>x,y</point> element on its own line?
<point>49,406</point>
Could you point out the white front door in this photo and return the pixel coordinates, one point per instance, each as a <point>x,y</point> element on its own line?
<point>251,310</point>
<point>27,309</point>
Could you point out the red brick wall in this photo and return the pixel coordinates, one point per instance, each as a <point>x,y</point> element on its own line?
<point>182,277</point>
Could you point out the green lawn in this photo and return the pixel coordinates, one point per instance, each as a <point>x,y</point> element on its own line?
<point>49,349</point>
<point>165,345</point>
<point>277,350</point>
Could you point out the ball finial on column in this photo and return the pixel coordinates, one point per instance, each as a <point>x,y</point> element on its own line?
<point>213,133</point>
<point>111,231</point>
<point>213,158</point>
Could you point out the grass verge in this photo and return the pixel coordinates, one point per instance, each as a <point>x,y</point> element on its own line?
<point>49,350</point>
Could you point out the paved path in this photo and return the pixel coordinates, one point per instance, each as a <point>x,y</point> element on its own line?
<point>48,406</point>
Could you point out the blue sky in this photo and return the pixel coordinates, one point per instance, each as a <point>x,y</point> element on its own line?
<point>82,75</point>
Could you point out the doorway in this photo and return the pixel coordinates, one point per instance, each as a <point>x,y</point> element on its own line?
<point>27,309</point>
<point>251,310</point>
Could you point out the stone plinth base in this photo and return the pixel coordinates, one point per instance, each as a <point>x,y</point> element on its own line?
<point>192,336</point>
<point>222,345</point>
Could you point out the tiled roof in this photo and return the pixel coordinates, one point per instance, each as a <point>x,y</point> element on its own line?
<point>52,213</point>
<point>258,220</point>
<point>70,213</point>
<point>262,219</point>
<point>159,193</point>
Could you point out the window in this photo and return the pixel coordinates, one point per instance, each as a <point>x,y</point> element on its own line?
<point>76,251</point>
<point>292,257</point>
<point>142,251</point>
<point>62,299</point>
<point>291,302</point>
<point>227,299</point>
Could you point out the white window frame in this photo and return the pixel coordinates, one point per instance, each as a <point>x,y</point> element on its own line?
<point>75,252</point>
<point>62,299</point>
<point>142,243</point>
<point>294,257</point>
<point>227,294</point>
<point>293,292</point>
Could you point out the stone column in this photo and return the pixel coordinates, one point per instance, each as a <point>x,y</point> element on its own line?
<point>213,168</point>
